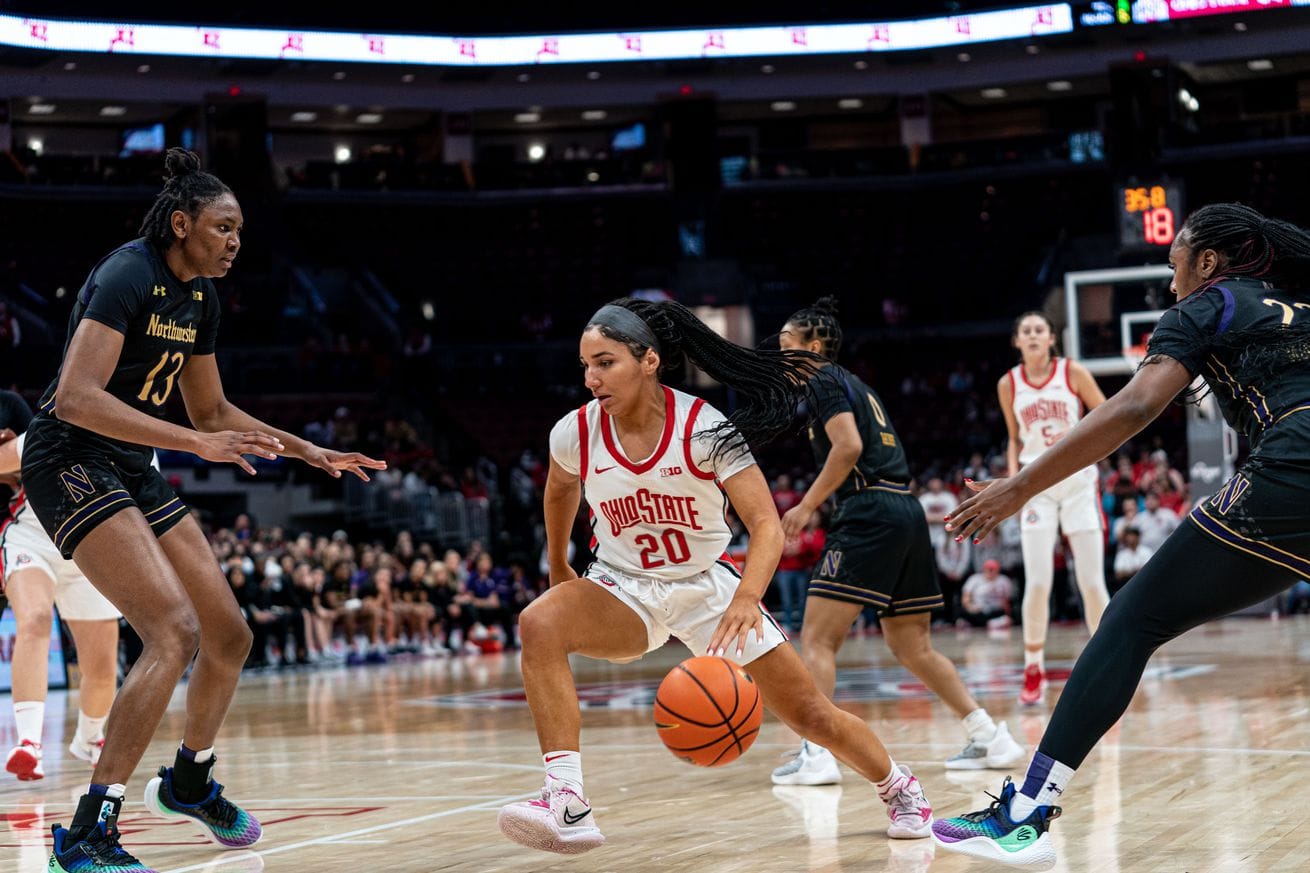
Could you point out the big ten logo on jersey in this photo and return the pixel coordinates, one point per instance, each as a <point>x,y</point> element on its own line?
<point>78,483</point>
<point>665,472</point>
<point>1228,495</point>
<point>888,439</point>
<point>159,291</point>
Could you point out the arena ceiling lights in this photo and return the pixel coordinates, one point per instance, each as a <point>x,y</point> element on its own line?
<point>1026,22</point>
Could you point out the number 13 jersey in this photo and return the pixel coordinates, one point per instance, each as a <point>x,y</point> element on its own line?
<point>663,516</point>
<point>1044,412</point>
<point>164,321</point>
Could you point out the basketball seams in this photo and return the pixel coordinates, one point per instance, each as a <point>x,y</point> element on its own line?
<point>707,744</point>
<point>728,724</point>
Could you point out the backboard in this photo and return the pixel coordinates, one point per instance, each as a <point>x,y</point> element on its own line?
<point>1111,314</point>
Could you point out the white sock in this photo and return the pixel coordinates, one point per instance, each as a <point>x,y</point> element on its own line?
<point>29,716</point>
<point>888,787</point>
<point>117,790</point>
<point>89,729</point>
<point>565,766</point>
<point>1046,780</point>
<point>978,726</point>
<point>204,755</point>
<point>1038,657</point>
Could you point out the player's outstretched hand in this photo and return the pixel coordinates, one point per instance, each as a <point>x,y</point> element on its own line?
<point>742,616</point>
<point>794,519</point>
<point>334,462</point>
<point>992,503</point>
<point>228,446</point>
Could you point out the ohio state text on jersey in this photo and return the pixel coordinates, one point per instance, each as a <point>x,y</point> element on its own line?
<point>662,516</point>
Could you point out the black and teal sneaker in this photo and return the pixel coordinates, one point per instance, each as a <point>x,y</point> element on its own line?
<point>991,833</point>
<point>98,851</point>
<point>224,822</point>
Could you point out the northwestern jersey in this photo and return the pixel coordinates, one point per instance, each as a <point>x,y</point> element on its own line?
<point>1044,412</point>
<point>882,464</point>
<point>164,321</point>
<point>662,516</point>
<point>1198,332</point>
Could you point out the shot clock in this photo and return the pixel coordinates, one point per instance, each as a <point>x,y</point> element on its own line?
<point>1150,214</point>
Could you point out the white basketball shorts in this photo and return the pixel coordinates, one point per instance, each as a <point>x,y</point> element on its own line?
<point>689,609</point>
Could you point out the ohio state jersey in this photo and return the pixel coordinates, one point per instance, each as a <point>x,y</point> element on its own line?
<point>1043,412</point>
<point>662,516</point>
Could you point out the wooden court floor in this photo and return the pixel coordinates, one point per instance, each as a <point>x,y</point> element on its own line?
<point>402,767</point>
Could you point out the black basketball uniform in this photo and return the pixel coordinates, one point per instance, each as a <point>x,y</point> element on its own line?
<point>1244,544</point>
<point>75,478</point>
<point>878,551</point>
<point>1263,509</point>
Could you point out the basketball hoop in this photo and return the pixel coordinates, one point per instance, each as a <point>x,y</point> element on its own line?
<point>1133,357</point>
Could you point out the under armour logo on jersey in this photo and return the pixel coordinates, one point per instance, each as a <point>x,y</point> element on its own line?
<point>160,291</point>
<point>670,471</point>
<point>831,562</point>
<point>78,483</point>
<point>198,295</point>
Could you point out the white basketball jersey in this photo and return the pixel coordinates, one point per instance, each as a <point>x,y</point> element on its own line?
<point>663,516</point>
<point>1043,412</point>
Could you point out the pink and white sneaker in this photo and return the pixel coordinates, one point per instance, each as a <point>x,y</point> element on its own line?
<point>25,761</point>
<point>560,821</point>
<point>907,808</point>
<point>86,750</point>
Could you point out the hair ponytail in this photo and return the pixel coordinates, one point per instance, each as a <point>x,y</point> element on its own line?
<point>818,321</point>
<point>187,188</point>
<point>1252,245</point>
<point>772,384</point>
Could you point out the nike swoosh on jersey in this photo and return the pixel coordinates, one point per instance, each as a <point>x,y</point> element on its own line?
<point>599,470</point>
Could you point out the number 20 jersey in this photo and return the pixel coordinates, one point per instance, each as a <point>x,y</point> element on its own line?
<point>663,516</point>
<point>1044,412</point>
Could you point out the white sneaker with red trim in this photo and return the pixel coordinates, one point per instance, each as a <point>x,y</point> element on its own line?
<point>25,761</point>
<point>86,750</point>
<point>559,821</point>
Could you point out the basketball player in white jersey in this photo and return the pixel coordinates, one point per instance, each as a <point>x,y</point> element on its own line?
<point>1042,398</point>
<point>658,468</point>
<point>35,578</point>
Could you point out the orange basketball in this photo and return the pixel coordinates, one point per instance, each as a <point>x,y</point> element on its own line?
<point>708,711</point>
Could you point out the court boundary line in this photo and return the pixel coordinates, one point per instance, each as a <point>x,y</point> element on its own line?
<point>331,838</point>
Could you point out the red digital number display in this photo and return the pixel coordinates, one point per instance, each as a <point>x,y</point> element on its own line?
<point>1149,214</point>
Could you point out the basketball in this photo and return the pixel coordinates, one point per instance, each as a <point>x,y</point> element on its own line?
<point>708,711</point>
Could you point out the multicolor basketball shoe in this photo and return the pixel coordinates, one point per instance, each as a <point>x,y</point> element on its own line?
<point>98,851</point>
<point>559,821</point>
<point>991,833</point>
<point>224,822</point>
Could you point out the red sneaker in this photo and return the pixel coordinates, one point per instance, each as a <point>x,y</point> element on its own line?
<point>1034,686</point>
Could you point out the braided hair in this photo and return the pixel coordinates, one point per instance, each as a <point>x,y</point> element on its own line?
<point>818,321</point>
<point>1262,249</point>
<point>773,385</point>
<point>187,188</point>
<point>1251,245</point>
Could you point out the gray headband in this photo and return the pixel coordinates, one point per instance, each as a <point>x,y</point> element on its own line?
<point>627,323</point>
